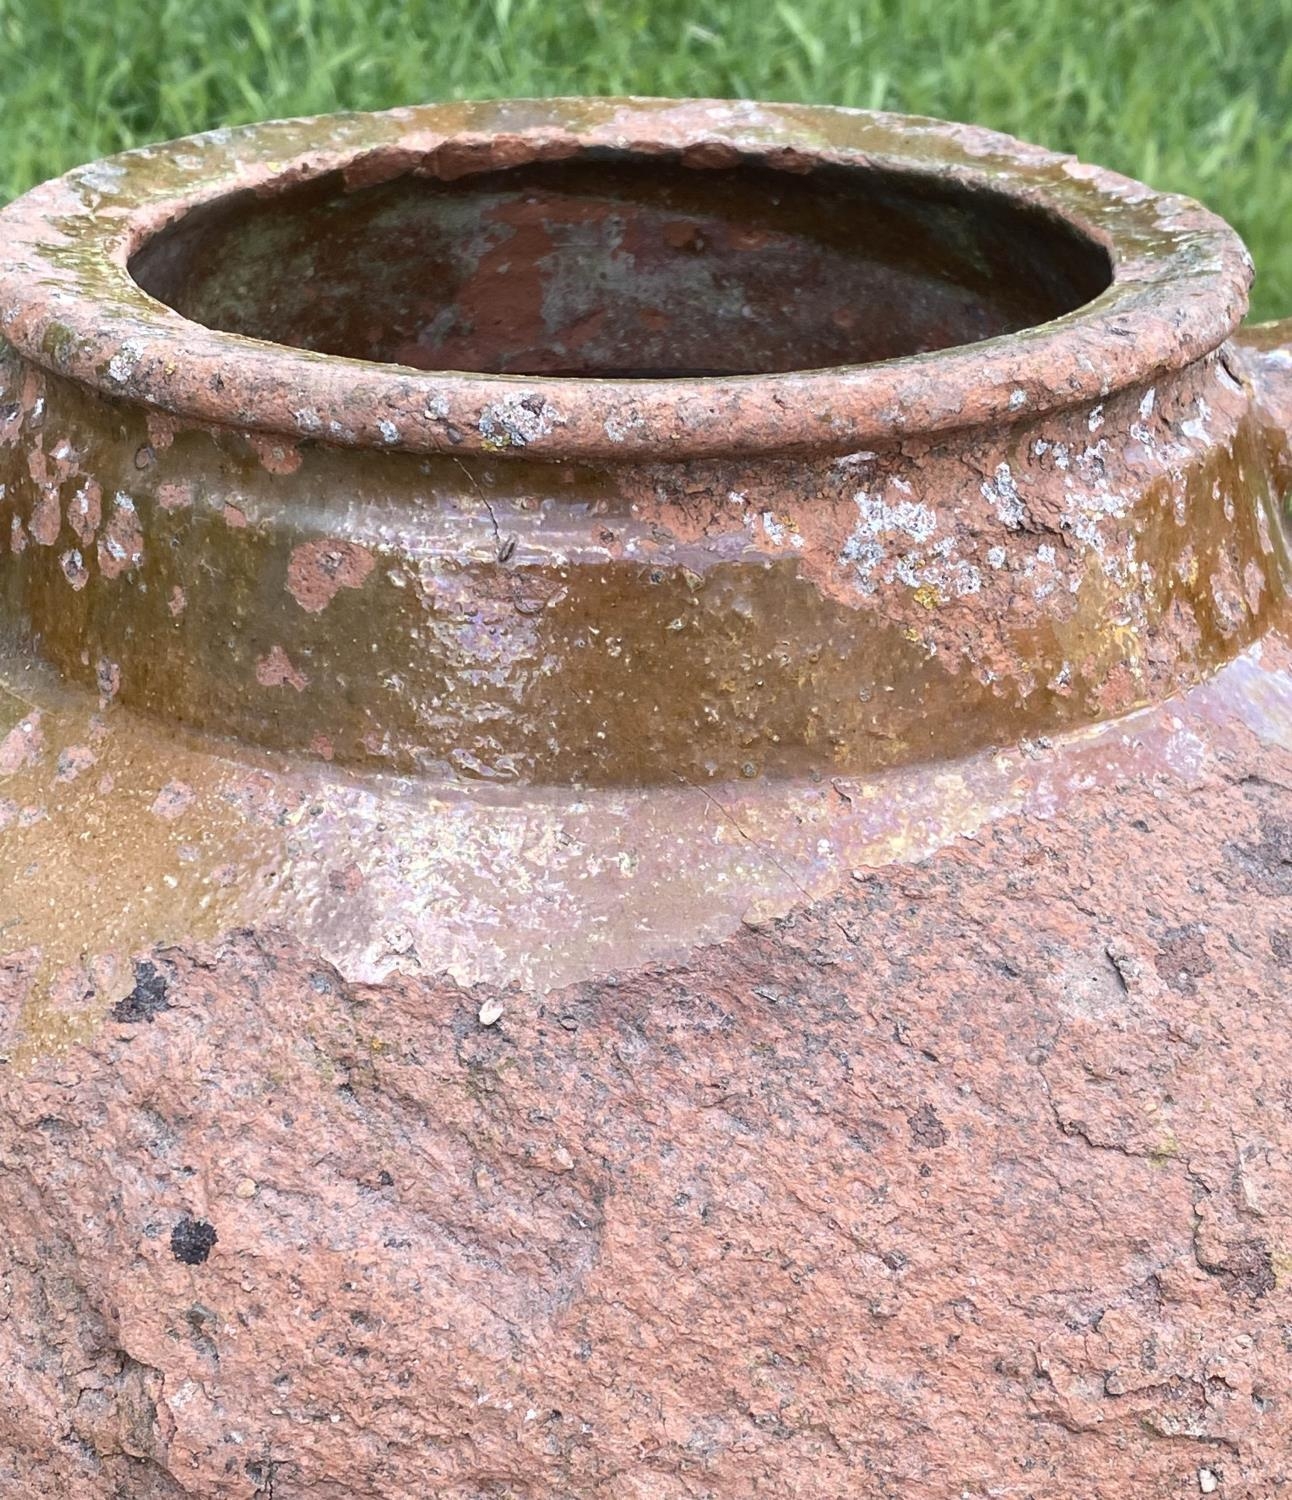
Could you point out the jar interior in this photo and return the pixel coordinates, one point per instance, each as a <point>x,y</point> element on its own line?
<point>623,265</point>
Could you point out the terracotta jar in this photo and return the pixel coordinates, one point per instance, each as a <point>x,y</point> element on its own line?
<point>645,818</point>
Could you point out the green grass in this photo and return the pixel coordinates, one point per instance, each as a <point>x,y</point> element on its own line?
<point>1191,95</point>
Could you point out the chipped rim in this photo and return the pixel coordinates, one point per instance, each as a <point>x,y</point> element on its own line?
<point>67,301</point>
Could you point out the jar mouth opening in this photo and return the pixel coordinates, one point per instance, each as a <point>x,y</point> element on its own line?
<point>619,265</point>
<point>611,279</point>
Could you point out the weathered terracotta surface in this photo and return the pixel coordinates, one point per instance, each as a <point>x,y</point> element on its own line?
<point>864,792</point>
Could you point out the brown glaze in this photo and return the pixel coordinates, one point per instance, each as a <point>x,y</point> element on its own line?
<point>692,905</point>
<point>629,624</point>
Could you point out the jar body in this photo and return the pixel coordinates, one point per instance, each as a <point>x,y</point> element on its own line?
<point>644,933</point>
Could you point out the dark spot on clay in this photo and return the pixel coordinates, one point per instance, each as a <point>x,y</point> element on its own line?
<point>148,998</point>
<point>927,1131</point>
<point>198,1316</point>
<point>1246,1269</point>
<point>1281,944</point>
<point>262,1474</point>
<point>1268,862</point>
<point>1182,959</point>
<point>384,1179</point>
<point>192,1240</point>
<point>108,677</point>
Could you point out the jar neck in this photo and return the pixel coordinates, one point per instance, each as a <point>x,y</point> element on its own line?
<point>640,622</point>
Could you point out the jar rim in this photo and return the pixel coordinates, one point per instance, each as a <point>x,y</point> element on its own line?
<point>1179,280</point>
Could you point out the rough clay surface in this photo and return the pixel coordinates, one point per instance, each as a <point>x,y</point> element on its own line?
<point>972,1180</point>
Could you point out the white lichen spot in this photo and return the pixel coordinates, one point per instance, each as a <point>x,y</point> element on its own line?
<point>996,557</point>
<point>780,533</point>
<point>1003,494</point>
<point>74,569</point>
<point>1017,400</point>
<point>907,570</point>
<point>1092,461</point>
<point>1043,561</point>
<point>1096,420</point>
<point>389,432</point>
<point>617,429</point>
<point>99,176</point>
<point>183,1395</point>
<point>1086,530</point>
<point>907,518</point>
<point>517,421</point>
<point>1195,428</point>
<point>1147,403</point>
<point>122,364</point>
<point>865,557</point>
